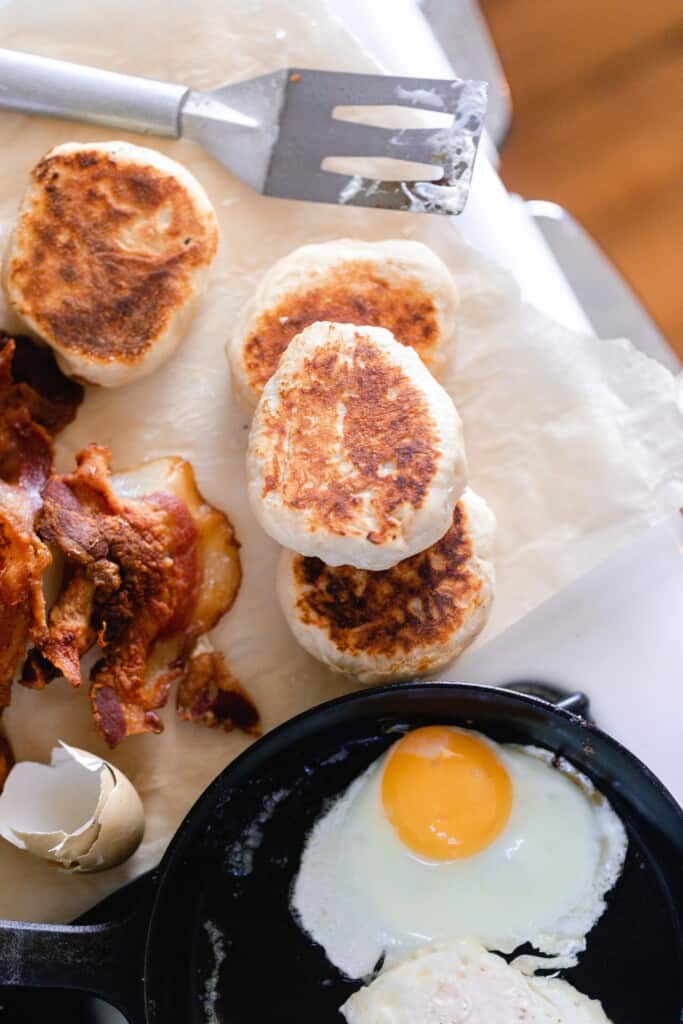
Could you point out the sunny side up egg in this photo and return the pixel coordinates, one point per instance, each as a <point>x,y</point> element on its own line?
<point>459,982</point>
<point>451,835</point>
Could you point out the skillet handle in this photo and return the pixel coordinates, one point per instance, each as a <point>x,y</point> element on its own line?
<point>105,960</point>
<point>569,700</point>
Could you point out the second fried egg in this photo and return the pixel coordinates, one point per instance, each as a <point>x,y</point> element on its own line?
<point>452,835</point>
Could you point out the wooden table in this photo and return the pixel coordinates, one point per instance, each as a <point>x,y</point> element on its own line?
<point>598,127</point>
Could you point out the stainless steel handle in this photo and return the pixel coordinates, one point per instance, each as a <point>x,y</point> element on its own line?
<point>39,85</point>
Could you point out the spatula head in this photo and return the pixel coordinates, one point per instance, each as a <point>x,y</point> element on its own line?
<point>281,131</point>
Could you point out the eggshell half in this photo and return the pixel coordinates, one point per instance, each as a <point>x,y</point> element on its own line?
<point>79,811</point>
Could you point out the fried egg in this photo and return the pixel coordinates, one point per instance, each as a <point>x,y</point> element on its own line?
<point>355,454</point>
<point>461,983</point>
<point>398,284</point>
<point>405,621</point>
<point>451,835</point>
<point>110,257</point>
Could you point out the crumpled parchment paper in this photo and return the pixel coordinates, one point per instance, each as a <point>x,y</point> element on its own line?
<point>576,443</point>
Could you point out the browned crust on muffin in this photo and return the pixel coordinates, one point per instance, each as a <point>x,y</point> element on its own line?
<point>388,442</point>
<point>357,292</point>
<point>420,602</point>
<point>86,285</point>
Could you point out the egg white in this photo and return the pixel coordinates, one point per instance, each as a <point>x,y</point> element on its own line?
<point>461,983</point>
<point>363,895</point>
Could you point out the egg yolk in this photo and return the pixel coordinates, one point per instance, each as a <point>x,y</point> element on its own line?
<point>445,792</point>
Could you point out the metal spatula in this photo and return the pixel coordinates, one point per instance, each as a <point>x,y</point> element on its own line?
<point>274,132</point>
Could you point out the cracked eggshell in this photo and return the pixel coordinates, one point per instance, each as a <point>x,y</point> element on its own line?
<point>80,812</point>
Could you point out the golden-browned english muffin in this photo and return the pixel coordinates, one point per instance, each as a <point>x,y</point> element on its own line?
<point>355,452</point>
<point>109,257</point>
<point>406,621</point>
<point>397,284</point>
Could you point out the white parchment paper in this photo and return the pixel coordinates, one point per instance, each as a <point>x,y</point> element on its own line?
<point>576,443</point>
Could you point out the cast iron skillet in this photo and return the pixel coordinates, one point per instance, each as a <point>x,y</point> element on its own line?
<point>219,943</point>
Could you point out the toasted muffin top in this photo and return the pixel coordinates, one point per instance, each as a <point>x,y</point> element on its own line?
<point>382,444</point>
<point>420,602</point>
<point>352,442</point>
<point>106,249</point>
<point>355,292</point>
<point>396,284</point>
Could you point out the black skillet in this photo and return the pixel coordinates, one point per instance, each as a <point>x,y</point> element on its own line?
<point>218,942</point>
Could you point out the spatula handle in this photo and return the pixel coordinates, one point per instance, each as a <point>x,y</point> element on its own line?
<point>40,85</point>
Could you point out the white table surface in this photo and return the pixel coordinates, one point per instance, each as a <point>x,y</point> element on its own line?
<point>615,634</point>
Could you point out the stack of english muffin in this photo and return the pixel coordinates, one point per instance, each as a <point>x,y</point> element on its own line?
<point>356,462</point>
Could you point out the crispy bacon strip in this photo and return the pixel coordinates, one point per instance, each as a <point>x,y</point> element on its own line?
<point>23,559</point>
<point>35,401</point>
<point>210,694</point>
<point>136,573</point>
<point>6,760</point>
<point>70,635</point>
<point>25,445</point>
<point>166,581</point>
<point>146,578</point>
<point>37,383</point>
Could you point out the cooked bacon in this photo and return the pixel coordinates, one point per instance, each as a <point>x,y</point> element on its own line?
<point>139,585</point>
<point>25,452</point>
<point>137,573</point>
<point>23,559</point>
<point>34,402</point>
<point>165,579</point>
<point>210,694</point>
<point>6,760</point>
<point>143,579</point>
<point>69,637</point>
<point>36,382</point>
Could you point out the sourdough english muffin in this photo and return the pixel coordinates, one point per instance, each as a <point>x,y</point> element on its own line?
<point>109,257</point>
<point>397,284</point>
<point>405,621</point>
<point>355,452</point>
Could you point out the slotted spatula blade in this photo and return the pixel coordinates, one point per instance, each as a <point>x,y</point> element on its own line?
<point>294,131</point>
<point>276,132</point>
